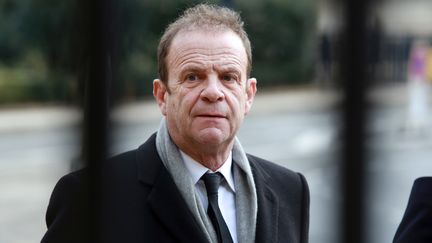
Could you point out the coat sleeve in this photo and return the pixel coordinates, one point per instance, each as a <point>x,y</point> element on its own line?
<point>416,225</point>
<point>67,213</point>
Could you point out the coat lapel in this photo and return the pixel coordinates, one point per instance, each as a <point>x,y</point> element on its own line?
<point>165,199</point>
<point>268,206</point>
<point>169,206</point>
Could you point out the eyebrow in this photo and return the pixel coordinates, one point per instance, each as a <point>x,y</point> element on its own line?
<point>193,70</point>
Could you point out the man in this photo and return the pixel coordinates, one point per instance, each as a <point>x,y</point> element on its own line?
<point>192,181</point>
<point>416,225</point>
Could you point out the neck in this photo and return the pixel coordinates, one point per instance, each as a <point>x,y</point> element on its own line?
<point>212,157</point>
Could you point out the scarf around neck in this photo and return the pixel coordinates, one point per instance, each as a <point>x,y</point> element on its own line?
<point>245,195</point>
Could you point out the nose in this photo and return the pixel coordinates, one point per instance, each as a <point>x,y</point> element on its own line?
<point>212,91</point>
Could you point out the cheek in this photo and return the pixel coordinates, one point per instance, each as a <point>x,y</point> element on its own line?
<point>164,109</point>
<point>179,106</point>
<point>172,107</point>
<point>187,99</point>
<point>236,101</point>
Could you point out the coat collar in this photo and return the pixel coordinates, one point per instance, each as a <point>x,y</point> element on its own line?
<point>268,204</point>
<point>148,161</point>
<point>165,199</point>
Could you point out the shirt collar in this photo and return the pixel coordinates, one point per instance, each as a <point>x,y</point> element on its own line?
<point>197,170</point>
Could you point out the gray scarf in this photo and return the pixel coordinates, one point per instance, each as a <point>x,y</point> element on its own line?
<point>245,195</point>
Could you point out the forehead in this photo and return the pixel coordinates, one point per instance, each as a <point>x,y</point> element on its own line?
<point>218,46</point>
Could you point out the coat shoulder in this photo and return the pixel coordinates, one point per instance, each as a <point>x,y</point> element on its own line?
<point>275,172</point>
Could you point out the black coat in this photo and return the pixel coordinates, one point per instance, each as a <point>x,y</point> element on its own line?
<point>142,203</point>
<point>416,225</point>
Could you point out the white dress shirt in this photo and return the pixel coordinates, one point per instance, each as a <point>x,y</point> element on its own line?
<point>226,191</point>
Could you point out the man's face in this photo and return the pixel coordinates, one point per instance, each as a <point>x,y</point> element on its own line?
<point>209,93</point>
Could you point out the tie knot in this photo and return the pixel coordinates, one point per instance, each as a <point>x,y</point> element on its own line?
<point>212,182</point>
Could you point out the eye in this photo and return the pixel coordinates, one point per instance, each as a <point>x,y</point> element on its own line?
<point>229,78</point>
<point>192,77</point>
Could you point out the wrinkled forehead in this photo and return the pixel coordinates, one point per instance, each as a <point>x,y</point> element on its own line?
<point>207,42</point>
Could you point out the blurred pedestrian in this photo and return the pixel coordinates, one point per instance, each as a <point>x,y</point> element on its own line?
<point>418,87</point>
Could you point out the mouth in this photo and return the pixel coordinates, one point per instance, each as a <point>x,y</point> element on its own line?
<point>211,116</point>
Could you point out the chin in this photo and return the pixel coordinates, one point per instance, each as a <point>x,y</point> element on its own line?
<point>212,136</point>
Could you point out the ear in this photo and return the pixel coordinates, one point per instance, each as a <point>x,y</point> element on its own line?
<point>160,92</point>
<point>251,88</point>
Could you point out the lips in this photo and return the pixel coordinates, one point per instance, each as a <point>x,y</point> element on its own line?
<point>210,112</point>
<point>212,115</point>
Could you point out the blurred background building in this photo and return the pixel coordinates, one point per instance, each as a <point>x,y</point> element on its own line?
<point>393,26</point>
<point>295,120</point>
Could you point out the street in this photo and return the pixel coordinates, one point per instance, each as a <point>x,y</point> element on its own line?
<point>297,129</point>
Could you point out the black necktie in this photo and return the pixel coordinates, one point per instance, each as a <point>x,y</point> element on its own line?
<point>212,181</point>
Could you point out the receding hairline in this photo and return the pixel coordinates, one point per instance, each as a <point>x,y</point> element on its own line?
<point>211,31</point>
